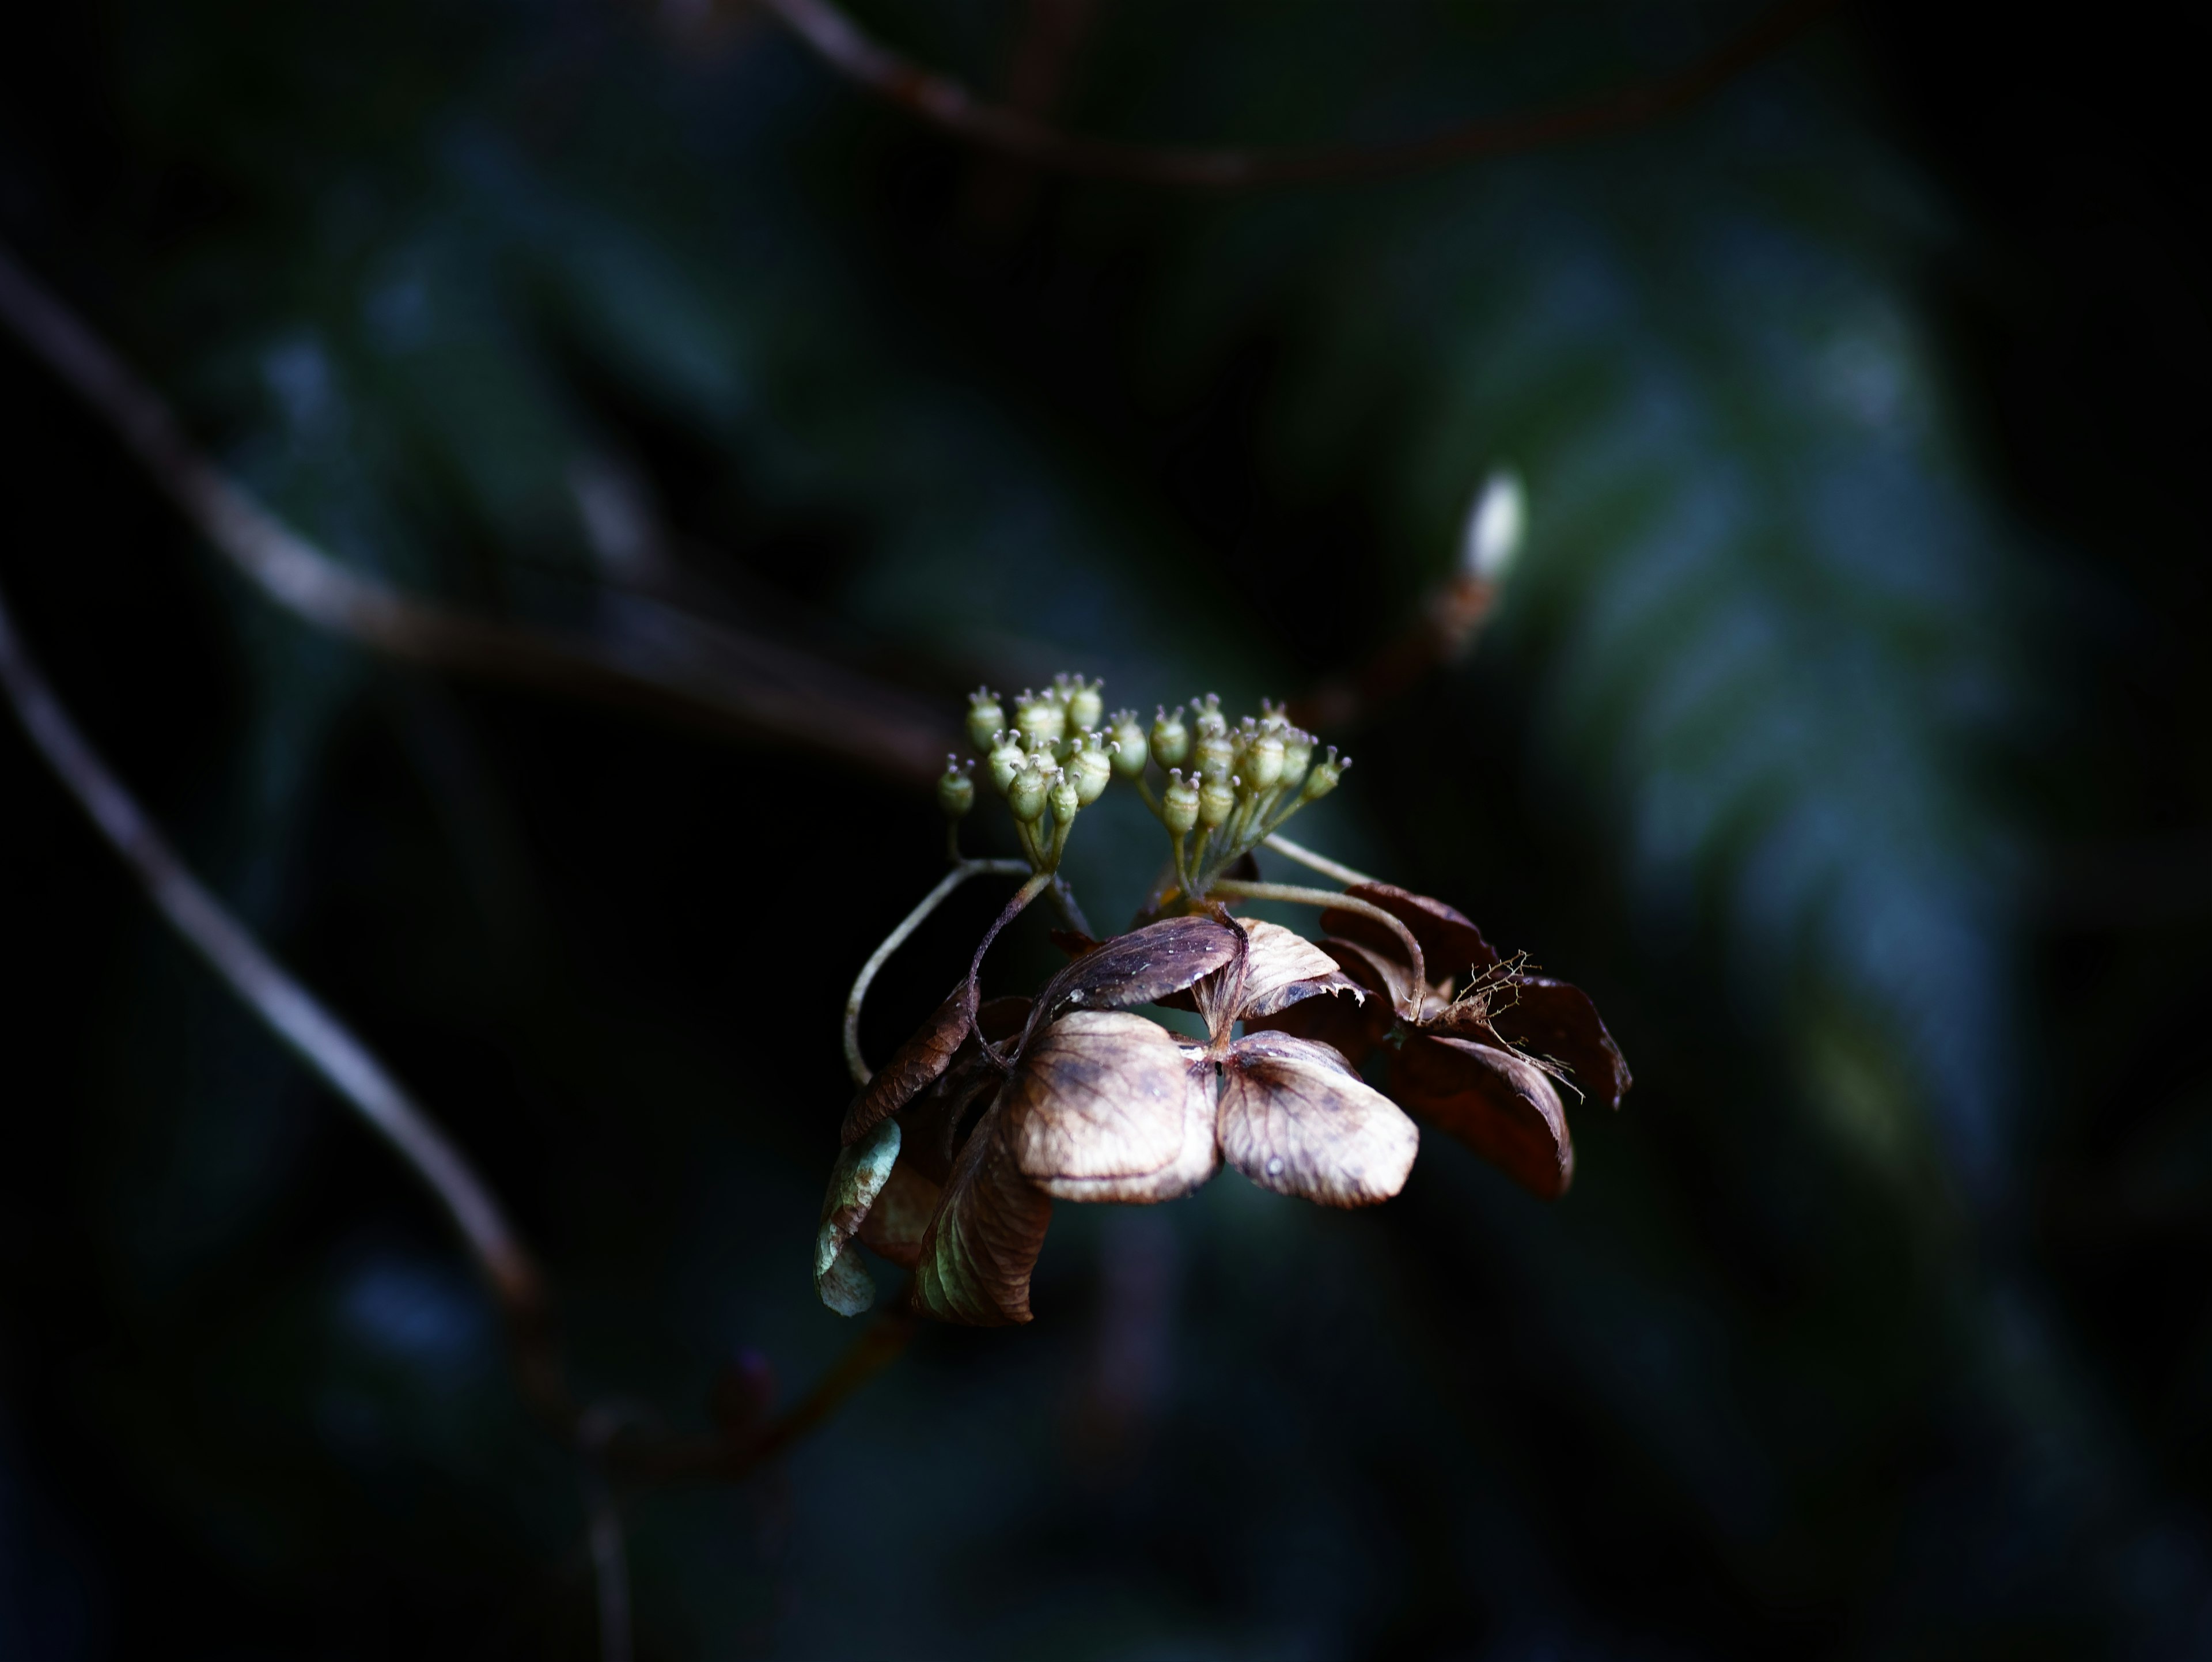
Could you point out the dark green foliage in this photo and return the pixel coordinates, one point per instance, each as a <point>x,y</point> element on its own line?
<point>1839,1343</point>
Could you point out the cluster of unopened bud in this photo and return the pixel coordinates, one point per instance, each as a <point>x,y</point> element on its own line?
<point>1058,751</point>
<point>1052,757</point>
<point>1234,783</point>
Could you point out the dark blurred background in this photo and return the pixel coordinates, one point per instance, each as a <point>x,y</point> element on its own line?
<point>1843,727</point>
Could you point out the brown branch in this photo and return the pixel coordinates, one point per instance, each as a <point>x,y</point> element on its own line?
<point>289,1009</point>
<point>347,1066</point>
<point>950,107</point>
<point>669,662</point>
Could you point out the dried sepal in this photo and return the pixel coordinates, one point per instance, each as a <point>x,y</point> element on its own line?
<point>900,1218</point>
<point>1109,1106</point>
<point>1279,967</point>
<point>915,1065</point>
<point>1353,1020</point>
<point>1387,974</point>
<point>840,1276</point>
<point>1196,1162</point>
<point>1140,967</point>
<point>1449,939</point>
<point>976,1259</point>
<point>1295,1118</point>
<point>1500,1105</point>
<point>1098,1094</point>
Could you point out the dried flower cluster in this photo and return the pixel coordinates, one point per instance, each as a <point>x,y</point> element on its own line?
<point>954,1152</point>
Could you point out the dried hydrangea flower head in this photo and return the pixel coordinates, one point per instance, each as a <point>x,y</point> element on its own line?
<point>954,1153</point>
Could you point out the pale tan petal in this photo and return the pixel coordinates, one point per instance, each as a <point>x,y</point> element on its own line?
<point>1098,1094</point>
<point>976,1259</point>
<point>1279,967</point>
<point>1295,1118</point>
<point>1277,961</point>
<point>1198,1159</point>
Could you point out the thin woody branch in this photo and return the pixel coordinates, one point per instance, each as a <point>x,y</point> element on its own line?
<point>723,676</point>
<point>948,106</point>
<point>285,1006</point>
<point>320,1039</point>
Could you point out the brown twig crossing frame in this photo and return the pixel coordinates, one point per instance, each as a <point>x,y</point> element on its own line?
<point>945,104</point>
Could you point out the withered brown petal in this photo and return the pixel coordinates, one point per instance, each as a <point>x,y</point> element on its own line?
<point>1098,1094</point>
<point>1140,967</point>
<point>1196,1161</point>
<point>1450,940</point>
<point>937,1121</point>
<point>1295,1118</point>
<point>856,1179</point>
<point>1344,1022</point>
<point>897,1222</point>
<point>980,1248</point>
<point>926,1053</point>
<point>1502,1107</point>
<point>1386,973</point>
<point>1558,1021</point>
<point>1281,966</point>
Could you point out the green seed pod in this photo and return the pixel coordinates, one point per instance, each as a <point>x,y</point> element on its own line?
<point>1209,718</point>
<point>1262,764</point>
<point>1213,755</point>
<point>1322,779</point>
<point>1064,799</point>
<point>1027,794</point>
<point>1217,800</point>
<point>1179,803</point>
<point>1006,761</point>
<point>1298,757</point>
<point>1041,720</point>
<point>985,718</point>
<point>956,791</point>
<point>1086,708</point>
<point>1091,770</point>
<point>1126,743</point>
<point>1170,738</point>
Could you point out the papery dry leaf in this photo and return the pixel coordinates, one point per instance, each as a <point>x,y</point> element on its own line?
<point>900,1218</point>
<point>1500,1105</point>
<point>976,1256</point>
<point>925,1056</point>
<point>1295,1118</point>
<point>1140,967</point>
<point>1450,943</point>
<point>1098,1094</point>
<point>1558,1021</point>
<point>840,1276</point>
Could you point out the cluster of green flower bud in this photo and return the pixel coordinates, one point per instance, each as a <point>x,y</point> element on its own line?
<point>1050,761</point>
<point>1232,785</point>
<point>1055,755</point>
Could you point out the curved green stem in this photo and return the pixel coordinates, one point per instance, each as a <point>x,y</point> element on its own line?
<point>952,879</point>
<point>1320,862</point>
<point>1296,895</point>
